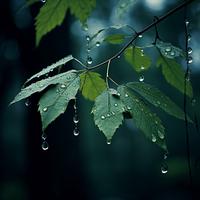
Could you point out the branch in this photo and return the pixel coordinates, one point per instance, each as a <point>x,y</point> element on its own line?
<point>174,10</point>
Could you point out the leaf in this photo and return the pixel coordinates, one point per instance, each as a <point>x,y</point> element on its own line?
<point>107,112</point>
<point>174,74</point>
<point>51,14</point>
<point>137,59</point>
<point>157,98</point>
<point>82,8</point>
<point>144,119</point>
<point>43,84</point>
<point>115,39</point>
<point>51,67</point>
<point>168,50</point>
<point>55,101</point>
<point>92,85</point>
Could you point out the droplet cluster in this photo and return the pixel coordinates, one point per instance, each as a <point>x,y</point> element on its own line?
<point>45,145</point>
<point>75,119</point>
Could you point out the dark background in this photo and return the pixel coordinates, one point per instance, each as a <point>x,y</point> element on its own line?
<point>85,167</point>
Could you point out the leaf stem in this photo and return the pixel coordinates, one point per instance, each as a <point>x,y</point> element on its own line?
<point>135,36</point>
<point>107,74</point>
<point>83,65</point>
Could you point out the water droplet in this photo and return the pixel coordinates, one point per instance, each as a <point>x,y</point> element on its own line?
<point>187,22</point>
<point>88,38</point>
<point>153,138</point>
<point>189,61</point>
<point>102,117</point>
<point>44,136</point>
<point>156,122</point>
<point>172,53</point>
<point>113,113</point>
<point>41,85</point>
<point>89,60</point>
<point>108,115</point>
<point>115,104</point>
<point>140,36</point>
<point>108,141</point>
<point>165,156</point>
<point>158,102</point>
<point>161,135</point>
<point>118,56</point>
<point>63,86</point>
<point>128,107</point>
<point>45,109</point>
<point>76,131</point>
<point>126,95</point>
<point>189,37</point>
<point>97,44</point>
<point>141,78</point>
<point>189,50</point>
<point>27,103</point>
<point>45,145</point>
<point>75,119</point>
<point>168,49</point>
<point>142,67</point>
<point>193,102</point>
<point>88,49</point>
<point>164,168</point>
<point>85,27</point>
<point>43,1</point>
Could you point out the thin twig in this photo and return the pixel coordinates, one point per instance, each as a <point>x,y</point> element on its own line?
<point>107,74</point>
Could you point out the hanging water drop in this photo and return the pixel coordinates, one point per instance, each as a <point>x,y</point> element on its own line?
<point>88,49</point>
<point>189,37</point>
<point>142,67</point>
<point>141,78</point>
<point>140,36</point>
<point>76,119</point>
<point>44,136</point>
<point>97,44</point>
<point>189,50</point>
<point>164,168</point>
<point>27,103</point>
<point>165,156</point>
<point>189,60</point>
<point>161,135</point>
<point>63,86</point>
<point>88,38</point>
<point>103,117</point>
<point>89,60</point>
<point>108,141</point>
<point>76,131</point>
<point>85,27</point>
<point>45,109</point>
<point>45,145</point>
<point>153,138</point>
<point>187,22</point>
<point>43,1</point>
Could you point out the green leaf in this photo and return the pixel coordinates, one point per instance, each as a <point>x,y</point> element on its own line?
<point>168,50</point>
<point>51,14</point>
<point>107,112</point>
<point>157,98</point>
<point>51,67</point>
<point>43,84</point>
<point>144,119</point>
<point>174,74</point>
<point>82,9</point>
<point>115,39</point>
<point>92,85</point>
<point>137,59</point>
<point>55,101</point>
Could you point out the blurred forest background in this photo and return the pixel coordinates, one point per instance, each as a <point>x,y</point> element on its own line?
<point>85,167</point>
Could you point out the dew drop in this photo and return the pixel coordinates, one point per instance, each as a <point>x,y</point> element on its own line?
<point>97,44</point>
<point>141,78</point>
<point>189,61</point>
<point>153,138</point>
<point>76,131</point>
<point>108,141</point>
<point>89,60</point>
<point>76,119</point>
<point>193,102</point>
<point>128,107</point>
<point>88,49</point>
<point>142,67</point>
<point>140,36</point>
<point>189,37</point>
<point>172,53</point>
<point>126,95</point>
<point>43,1</point>
<point>41,85</point>
<point>161,135</point>
<point>113,113</point>
<point>85,27</point>
<point>168,49</point>
<point>189,50</point>
<point>45,109</point>
<point>44,136</point>
<point>187,22</point>
<point>103,117</point>
<point>27,103</point>
<point>88,38</point>
<point>108,115</point>
<point>118,56</point>
<point>45,145</point>
<point>115,104</point>
<point>63,86</point>
<point>164,168</point>
<point>165,156</point>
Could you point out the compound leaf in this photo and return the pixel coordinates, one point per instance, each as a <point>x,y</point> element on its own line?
<point>108,113</point>
<point>149,123</point>
<point>43,84</point>
<point>55,101</point>
<point>82,8</point>
<point>137,59</point>
<point>174,74</point>
<point>157,98</point>
<point>51,14</point>
<point>92,85</point>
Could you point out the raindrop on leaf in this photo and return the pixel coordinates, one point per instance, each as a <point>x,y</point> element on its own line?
<point>45,109</point>
<point>189,50</point>
<point>153,138</point>
<point>189,61</point>
<point>88,38</point>
<point>108,141</point>
<point>103,117</point>
<point>45,145</point>
<point>27,103</point>
<point>76,131</point>
<point>141,78</point>
<point>89,60</point>
<point>97,44</point>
